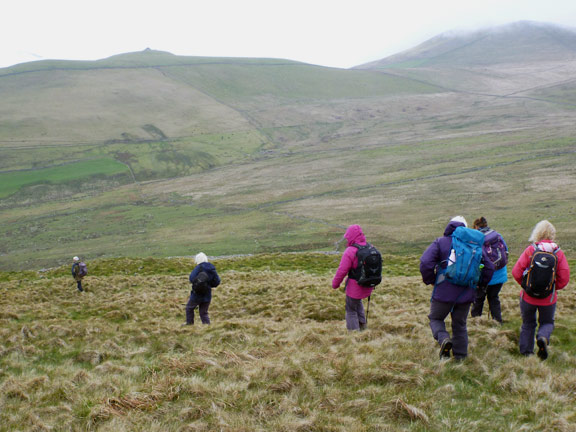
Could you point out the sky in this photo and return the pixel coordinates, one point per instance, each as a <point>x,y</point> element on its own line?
<point>333,33</point>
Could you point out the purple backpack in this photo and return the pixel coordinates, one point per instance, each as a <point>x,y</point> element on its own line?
<point>82,269</point>
<point>496,249</point>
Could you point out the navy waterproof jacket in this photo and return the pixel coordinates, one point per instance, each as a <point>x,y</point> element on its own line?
<point>436,256</point>
<point>214,281</point>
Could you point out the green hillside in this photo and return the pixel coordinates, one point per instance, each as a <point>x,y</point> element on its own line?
<point>276,357</point>
<point>564,93</point>
<point>147,58</point>
<point>165,115</point>
<point>154,155</point>
<point>151,95</point>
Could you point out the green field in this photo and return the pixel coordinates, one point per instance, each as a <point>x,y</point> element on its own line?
<point>11,182</point>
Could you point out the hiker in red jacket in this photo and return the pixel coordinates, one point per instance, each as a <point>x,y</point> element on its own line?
<point>542,239</point>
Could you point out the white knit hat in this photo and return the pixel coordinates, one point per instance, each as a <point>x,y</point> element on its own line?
<point>75,259</point>
<point>459,219</point>
<point>201,258</point>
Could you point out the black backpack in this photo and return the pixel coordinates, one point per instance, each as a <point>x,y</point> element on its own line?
<point>369,270</point>
<point>539,278</point>
<point>200,284</point>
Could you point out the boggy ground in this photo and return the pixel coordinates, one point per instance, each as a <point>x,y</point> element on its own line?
<point>277,356</point>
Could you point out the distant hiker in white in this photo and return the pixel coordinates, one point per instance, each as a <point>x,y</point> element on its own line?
<point>79,270</point>
<point>203,278</point>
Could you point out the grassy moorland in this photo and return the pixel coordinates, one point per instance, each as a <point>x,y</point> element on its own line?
<point>277,356</point>
<point>301,200</point>
<point>235,156</point>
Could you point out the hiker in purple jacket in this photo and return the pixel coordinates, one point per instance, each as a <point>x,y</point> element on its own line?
<point>448,298</point>
<point>355,317</point>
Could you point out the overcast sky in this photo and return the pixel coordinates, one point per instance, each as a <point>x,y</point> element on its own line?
<point>336,33</point>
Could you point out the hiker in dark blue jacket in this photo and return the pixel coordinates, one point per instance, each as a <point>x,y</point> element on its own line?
<point>448,298</point>
<point>202,301</point>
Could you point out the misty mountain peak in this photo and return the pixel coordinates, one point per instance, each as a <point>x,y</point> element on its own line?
<point>518,42</point>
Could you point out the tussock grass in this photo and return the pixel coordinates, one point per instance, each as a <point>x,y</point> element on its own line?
<point>277,356</point>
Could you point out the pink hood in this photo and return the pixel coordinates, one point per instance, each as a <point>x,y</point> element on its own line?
<point>354,234</point>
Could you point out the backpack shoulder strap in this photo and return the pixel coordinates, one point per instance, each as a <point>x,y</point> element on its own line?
<point>353,272</point>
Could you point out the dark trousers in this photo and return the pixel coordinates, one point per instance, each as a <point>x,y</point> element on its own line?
<point>355,317</point>
<point>492,292</point>
<point>528,329</point>
<point>79,284</point>
<point>458,313</point>
<point>202,310</point>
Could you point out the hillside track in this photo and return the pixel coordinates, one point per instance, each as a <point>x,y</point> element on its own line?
<point>510,95</point>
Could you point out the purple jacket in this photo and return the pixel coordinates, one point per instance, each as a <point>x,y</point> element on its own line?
<point>349,261</point>
<point>437,255</point>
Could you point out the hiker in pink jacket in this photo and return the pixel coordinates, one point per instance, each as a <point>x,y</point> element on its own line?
<point>355,317</point>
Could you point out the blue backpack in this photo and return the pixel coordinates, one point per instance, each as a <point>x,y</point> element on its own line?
<point>465,257</point>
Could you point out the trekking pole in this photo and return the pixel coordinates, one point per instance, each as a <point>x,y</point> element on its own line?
<point>368,309</point>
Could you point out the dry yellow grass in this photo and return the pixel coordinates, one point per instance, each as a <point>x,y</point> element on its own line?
<point>276,358</point>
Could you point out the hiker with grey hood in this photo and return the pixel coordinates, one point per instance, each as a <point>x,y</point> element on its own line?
<point>449,297</point>
<point>203,278</point>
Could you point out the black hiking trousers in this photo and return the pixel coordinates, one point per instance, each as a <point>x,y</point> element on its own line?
<point>492,292</point>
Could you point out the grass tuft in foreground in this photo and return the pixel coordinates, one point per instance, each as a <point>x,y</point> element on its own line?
<point>276,358</point>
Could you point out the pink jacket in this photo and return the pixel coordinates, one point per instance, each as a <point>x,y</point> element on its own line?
<point>349,261</point>
<point>562,273</point>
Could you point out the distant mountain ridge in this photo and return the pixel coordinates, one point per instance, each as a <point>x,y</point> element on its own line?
<point>519,42</point>
<point>115,98</point>
<point>146,58</point>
